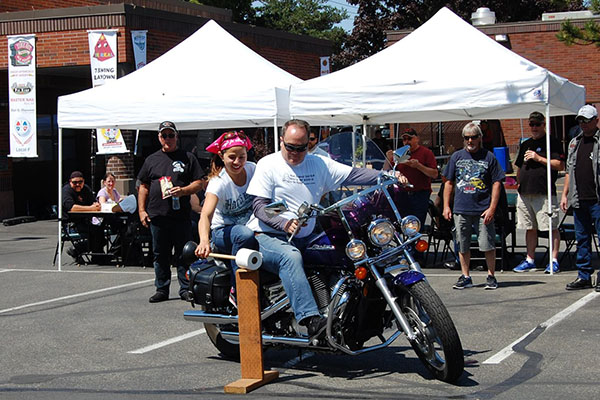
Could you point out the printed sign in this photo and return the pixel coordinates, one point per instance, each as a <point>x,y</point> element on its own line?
<point>110,141</point>
<point>138,38</point>
<point>324,65</point>
<point>103,56</point>
<point>22,96</point>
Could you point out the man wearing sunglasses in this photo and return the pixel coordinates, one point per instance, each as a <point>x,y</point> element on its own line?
<point>532,198</point>
<point>168,177</point>
<point>294,176</point>
<point>313,141</point>
<point>476,177</point>
<point>581,193</point>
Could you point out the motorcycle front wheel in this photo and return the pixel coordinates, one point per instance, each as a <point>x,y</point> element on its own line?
<point>437,343</point>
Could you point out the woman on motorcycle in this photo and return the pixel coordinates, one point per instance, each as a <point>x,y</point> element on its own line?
<point>227,207</point>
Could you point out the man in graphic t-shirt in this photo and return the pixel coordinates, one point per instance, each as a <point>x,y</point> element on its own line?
<point>581,193</point>
<point>294,176</point>
<point>532,199</point>
<point>476,177</point>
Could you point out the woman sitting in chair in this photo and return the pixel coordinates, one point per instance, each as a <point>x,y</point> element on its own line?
<point>108,194</point>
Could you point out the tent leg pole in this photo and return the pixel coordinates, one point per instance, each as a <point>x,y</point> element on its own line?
<point>548,187</point>
<point>59,208</point>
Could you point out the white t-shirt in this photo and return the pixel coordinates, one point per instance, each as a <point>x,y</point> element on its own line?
<point>234,205</point>
<point>307,182</point>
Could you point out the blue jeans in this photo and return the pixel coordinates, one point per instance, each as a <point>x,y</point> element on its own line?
<point>586,218</point>
<point>229,239</point>
<point>414,203</point>
<point>168,235</point>
<point>285,260</point>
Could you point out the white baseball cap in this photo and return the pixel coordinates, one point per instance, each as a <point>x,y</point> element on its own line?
<point>587,112</point>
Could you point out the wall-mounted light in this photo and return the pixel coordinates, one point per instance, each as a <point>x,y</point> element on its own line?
<point>503,39</point>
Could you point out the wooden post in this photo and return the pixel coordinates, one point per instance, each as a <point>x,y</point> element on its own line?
<point>251,357</point>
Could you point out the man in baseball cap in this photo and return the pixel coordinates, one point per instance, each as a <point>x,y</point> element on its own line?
<point>581,193</point>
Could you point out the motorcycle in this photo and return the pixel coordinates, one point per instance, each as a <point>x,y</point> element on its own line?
<point>364,279</point>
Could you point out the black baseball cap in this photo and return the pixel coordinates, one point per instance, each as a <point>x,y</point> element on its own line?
<point>167,125</point>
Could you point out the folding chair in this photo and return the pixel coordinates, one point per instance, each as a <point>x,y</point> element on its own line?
<point>440,234</point>
<point>68,233</point>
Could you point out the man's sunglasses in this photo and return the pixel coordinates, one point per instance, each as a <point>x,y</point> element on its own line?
<point>294,148</point>
<point>585,120</point>
<point>532,124</point>
<point>168,135</point>
<point>312,138</point>
<point>77,182</point>
<point>467,138</point>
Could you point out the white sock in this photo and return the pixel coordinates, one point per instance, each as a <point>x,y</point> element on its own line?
<point>530,260</point>
<point>555,260</point>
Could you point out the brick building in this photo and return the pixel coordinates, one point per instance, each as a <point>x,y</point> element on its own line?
<point>29,186</point>
<point>536,41</point>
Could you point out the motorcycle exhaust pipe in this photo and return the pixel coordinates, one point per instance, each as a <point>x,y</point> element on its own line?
<point>209,318</point>
<point>270,339</point>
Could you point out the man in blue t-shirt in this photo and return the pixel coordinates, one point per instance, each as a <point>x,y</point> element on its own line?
<point>476,178</point>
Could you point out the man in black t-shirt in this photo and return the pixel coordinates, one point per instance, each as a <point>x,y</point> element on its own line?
<point>581,193</point>
<point>532,199</point>
<point>168,178</point>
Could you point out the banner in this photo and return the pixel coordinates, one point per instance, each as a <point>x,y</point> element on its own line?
<point>138,38</point>
<point>103,56</point>
<point>324,65</point>
<point>22,96</point>
<point>110,141</point>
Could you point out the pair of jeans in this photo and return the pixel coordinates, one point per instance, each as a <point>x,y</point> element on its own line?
<point>168,238</point>
<point>586,219</point>
<point>231,238</point>
<point>285,259</point>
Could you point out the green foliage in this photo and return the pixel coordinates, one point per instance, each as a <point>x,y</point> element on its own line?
<point>571,34</point>
<point>241,10</point>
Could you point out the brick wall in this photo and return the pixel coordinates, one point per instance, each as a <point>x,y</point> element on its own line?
<point>29,5</point>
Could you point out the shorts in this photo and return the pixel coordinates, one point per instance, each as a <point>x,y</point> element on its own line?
<point>532,212</point>
<point>486,234</point>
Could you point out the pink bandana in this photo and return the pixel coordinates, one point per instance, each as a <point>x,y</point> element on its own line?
<point>229,139</point>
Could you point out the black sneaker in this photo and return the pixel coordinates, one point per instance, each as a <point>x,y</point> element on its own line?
<point>158,297</point>
<point>452,265</point>
<point>463,282</point>
<point>579,284</point>
<point>491,283</point>
<point>315,324</point>
<point>72,252</point>
<point>186,296</point>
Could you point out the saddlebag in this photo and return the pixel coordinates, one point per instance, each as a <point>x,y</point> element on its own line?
<point>210,283</point>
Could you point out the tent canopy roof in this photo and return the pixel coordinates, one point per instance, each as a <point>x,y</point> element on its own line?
<point>210,80</point>
<point>443,71</point>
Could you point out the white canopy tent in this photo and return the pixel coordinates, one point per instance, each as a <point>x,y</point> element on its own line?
<point>446,70</point>
<point>210,80</point>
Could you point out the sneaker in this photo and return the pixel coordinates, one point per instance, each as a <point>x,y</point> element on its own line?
<point>555,269</point>
<point>232,297</point>
<point>579,284</point>
<point>525,266</point>
<point>158,297</point>
<point>463,282</point>
<point>491,283</point>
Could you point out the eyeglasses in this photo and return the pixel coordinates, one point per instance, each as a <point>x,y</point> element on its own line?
<point>234,134</point>
<point>168,135</point>
<point>532,124</point>
<point>312,138</point>
<point>585,120</point>
<point>294,148</point>
<point>77,182</point>
<point>467,138</point>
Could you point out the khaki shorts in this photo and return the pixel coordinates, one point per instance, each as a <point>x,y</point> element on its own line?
<point>531,212</point>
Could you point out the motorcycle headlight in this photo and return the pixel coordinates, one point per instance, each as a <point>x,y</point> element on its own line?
<point>410,225</point>
<point>381,232</point>
<point>356,249</point>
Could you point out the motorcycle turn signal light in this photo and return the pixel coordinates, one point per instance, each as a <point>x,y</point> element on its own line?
<point>360,273</point>
<point>421,246</point>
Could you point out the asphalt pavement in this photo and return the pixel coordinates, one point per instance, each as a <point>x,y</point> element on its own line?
<point>89,333</point>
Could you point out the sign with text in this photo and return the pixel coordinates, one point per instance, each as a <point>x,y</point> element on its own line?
<point>324,65</point>
<point>138,38</point>
<point>110,141</point>
<point>22,96</point>
<point>103,56</point>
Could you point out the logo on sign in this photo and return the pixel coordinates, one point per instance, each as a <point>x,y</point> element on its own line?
<point>22,88</point>
<point>102,50</point>
<point>22,127</point>
<point>21,53</point>
<point>140,42</point>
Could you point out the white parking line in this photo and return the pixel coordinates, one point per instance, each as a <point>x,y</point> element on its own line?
<point>5,270</point>
<point>115,271</point>
<point>167,342</point>
<point>72,296</point>
<point>508,350</point>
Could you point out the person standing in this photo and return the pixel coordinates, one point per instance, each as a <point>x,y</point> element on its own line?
<point>532,198</point>
<point>476,176</point>
<point>168,177</point>
<point>420,169</point>
<point>581,193</point>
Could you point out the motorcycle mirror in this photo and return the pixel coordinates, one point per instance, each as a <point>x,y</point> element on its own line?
<point>188,253</point>
<point>276,208</point>
<point>402,154</point>
<point>303,208</point>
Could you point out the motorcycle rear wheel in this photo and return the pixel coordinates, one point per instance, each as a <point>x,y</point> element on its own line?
<point>227,348</point>
<point>437,343</point>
